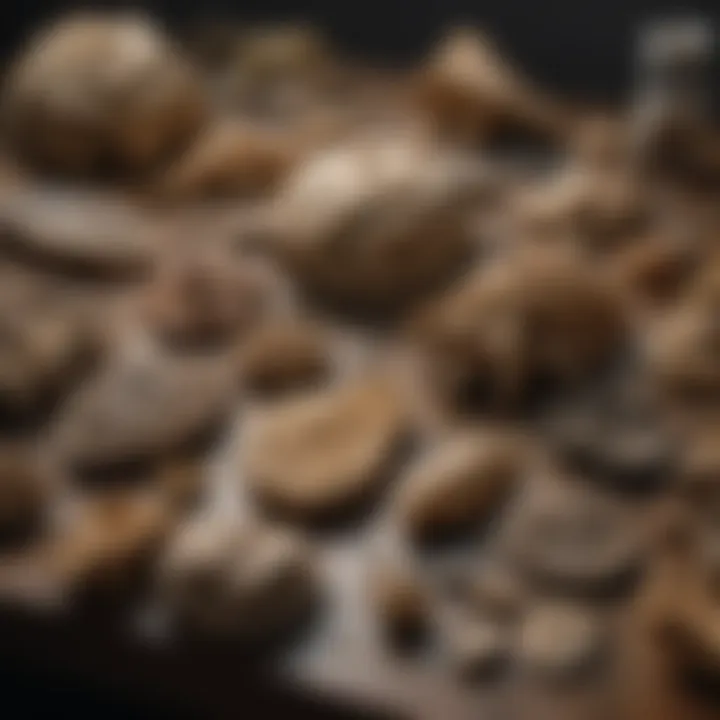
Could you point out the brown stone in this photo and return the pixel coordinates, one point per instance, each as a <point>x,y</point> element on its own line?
<point>559,640</point>
<point>203,298</point>
<point>460,484</point>
<point>540,314</point>
<point>76,233</point>
<point>284,355</point>
<point>24,491</point>
<point>232,579</point>
<point>43,350</point>
<point>575,542</point>
<point>400,600</point>
<point>320,454</point>
<point>478,648</point>
<point>469,89</point>
<point>143,403</point>
<point>231,159</point>
<point>108,542</point>
<point>376,221</point>
<point>98,91</point>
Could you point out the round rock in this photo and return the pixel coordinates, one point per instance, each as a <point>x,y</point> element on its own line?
<point>478,647</point>
<point>203,298</point>
<point>373,223</point>
<point>107,543</point>
<point>282,356</point>
<point>143,403</point>
<point>401,602</point>
<point>559,641</point>
<point>42,350</point>
<point>247,581</point>
<point>460,484</point>
<point>101,91</point>
<point>575,542</point>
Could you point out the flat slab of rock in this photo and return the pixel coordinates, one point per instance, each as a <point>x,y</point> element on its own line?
<point>320,454</point>
<point>559,640</point>
<point>143,403</point>
<point>575,542</point>
<point>76,233</point>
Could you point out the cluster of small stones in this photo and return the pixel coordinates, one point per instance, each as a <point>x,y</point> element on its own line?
<point>369,317</point>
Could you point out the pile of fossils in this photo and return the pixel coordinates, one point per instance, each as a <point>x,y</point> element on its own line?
<point>290,292</point>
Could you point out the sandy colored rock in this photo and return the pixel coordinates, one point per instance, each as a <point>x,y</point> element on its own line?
<point>73,232</point>
<point>376,221</point>
<point>683,353</point>
<point>617,433</point>
<point>204,299</point>
<point>573,541</point>
<point>320,454</point>
<point>244,581</point>
<point>653,271</point>
<point>559,640</point>
<point>24,491</point>
<point>534,315</point>
<point>601,209</point>
<point>400,600</point>
<point>478,648</point>
<point>470,90</point>
<point>600,141</point>
<point>108,542</point>
<point>143,403</point>
<point>43,351</point>
<point>284,355</point>
<point>232,158</point>
<point>459,484</point>
<point>680,598</point>
<point>101,91</point>
<point>497,592</point>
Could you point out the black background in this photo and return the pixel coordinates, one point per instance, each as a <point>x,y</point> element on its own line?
<point>582,48</point>
<point>572,45</point>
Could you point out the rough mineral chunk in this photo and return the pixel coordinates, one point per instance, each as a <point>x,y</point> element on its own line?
<point>76,233</point>
<point>376,221</point>
<point>559,640</point>
<point>478,647</point>
<point>320,454</point>
<point>470,90</point>
<point>96,92</point>
<point>572,541</point>
<point>248,581</point>
<point>284,355</point>
<point>540,315</point>
<point>203,298</point>
<point>460,484</point>
<point>108,542</point>
<point>231,159</point>
<point>42,351</point>
<point>144,403</point>
<point>400,600</point>
<point>23,491</point>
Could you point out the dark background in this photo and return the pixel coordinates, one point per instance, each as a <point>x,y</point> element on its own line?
<point>572,45</point>
<point>581,48</point>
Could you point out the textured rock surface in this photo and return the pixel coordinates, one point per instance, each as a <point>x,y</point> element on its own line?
<point>96,92</point>
<point>559,640</point>
<point>460,484</point>
<point>376,221</point>
<point>247,581</point>
<point>319,454</point>
<point>144,402</point>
